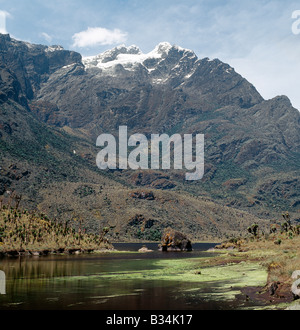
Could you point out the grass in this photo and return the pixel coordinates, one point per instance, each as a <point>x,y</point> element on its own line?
<point>278,253</point>
<point>280,260</point>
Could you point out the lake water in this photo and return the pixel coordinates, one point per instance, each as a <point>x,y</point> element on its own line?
<point>86,282</point>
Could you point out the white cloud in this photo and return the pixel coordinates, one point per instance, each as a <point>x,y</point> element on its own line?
<point>98,36</point>
<point>3,16</point>
<point>47,37</point>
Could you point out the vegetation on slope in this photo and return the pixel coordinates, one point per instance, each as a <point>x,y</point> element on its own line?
<point>278,251</point>
<point>24,232</point>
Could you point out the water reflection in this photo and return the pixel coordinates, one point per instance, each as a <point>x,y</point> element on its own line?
<point>77,282</point>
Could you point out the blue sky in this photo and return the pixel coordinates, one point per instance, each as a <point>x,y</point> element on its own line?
<point>255,37</point>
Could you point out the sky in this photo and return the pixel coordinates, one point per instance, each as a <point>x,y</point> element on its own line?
<point>260,39</point>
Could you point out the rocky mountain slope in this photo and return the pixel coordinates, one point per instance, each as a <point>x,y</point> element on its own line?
<point>54,104</point>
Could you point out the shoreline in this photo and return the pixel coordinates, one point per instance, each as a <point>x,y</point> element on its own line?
<point>28,252</point>
<point>240,274</point>
<point>46,252</point>
<point>258,261</point>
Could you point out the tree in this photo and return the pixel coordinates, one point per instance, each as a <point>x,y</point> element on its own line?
<point>253,230</point>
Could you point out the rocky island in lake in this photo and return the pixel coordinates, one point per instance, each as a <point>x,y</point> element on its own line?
<point>173,240</point>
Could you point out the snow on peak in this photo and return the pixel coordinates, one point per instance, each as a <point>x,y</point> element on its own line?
<point>118,55</point>
<point>112,54</point>
<point>128,57</point>
<point>53,48</point>
<point>163,48</point>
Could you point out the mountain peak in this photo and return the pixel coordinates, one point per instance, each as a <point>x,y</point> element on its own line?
<point>122,49</point>
<point>163,48</point>
<point>130,56</point>
<point>252,145</point>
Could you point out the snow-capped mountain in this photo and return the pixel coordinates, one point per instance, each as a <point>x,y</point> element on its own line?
<point>131,56</point>
<point>165,64</point>
<point>252,145</point>
<point>165,61</point>
<point>127,83</point>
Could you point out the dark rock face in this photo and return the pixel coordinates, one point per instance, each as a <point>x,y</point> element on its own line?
<point>176,87</point>
<point>24,67</point>
<point>4,185</point>
<point>175,93</point>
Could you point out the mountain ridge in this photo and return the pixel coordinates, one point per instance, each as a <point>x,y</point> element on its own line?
<point>55,104</point>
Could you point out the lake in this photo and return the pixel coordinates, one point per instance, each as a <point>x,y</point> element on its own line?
<point>109,281</point>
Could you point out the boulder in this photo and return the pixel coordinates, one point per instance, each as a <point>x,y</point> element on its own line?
<point>143,195</point>
<point>175,241</point>
<point>144,249</point>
